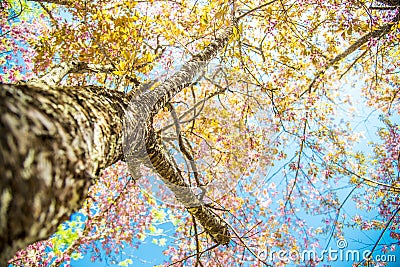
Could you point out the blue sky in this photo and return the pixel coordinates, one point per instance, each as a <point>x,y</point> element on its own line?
<point>148,254</point>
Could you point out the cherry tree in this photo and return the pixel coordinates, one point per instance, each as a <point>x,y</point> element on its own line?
<point>231,120</point>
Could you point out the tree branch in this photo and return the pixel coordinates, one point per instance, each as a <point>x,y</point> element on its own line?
<point>182,146</point>
<point>58,2</point>
<point>163,93</point>
<point>163,163</point>
<point>255,9</point>
<point>143,145</point>
<point>381,31</point>
<point>58,72</point>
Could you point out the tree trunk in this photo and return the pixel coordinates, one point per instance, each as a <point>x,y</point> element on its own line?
<point>163,163</point>
<point>142,145</point>
<point>54,142</point>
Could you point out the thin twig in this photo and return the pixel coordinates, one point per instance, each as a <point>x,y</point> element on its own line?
<point>254,9</point>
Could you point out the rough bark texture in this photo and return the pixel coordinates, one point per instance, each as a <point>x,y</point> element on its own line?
<point>145,105</point>
<point>163,93</point>
<point>142,145</point>
<point>173,179</point>
<point>54,142</point>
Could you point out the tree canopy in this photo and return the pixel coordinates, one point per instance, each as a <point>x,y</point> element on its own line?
<point>249,126</point>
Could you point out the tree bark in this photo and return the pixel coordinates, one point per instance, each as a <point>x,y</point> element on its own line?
<point>173,179</point>
<point>54,142</point>
<point>142,144</point>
